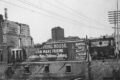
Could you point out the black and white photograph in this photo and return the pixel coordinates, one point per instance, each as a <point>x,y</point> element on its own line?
<point>59,39</point>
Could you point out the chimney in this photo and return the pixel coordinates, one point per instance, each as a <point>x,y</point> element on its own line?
<point>6,15</point>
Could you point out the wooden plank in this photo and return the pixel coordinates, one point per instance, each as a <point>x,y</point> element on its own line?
<point>50,62</point>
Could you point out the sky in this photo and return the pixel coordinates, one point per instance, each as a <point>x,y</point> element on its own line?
<point>77,17</point>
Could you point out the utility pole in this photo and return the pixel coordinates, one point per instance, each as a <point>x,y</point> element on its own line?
<point>88,59</point>
<point>114,18</point>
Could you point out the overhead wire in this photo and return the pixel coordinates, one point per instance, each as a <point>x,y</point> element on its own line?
<point>82,18</point>
<point>33,10</point>
<point>58,7</point>
<point>80,14</point>
<point>72,13</point>
<point>48,11</point>
<point>20,6</point>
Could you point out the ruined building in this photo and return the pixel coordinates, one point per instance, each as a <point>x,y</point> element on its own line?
<point>15,40</point>
<point>16,43</point>
<point>16,34</point>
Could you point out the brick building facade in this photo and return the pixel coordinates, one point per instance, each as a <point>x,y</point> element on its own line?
<point>16,34</point>
<point>16,43</point>
<point>13,36</point>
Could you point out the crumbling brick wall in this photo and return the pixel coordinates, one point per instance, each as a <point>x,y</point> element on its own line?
<point>101,69</point>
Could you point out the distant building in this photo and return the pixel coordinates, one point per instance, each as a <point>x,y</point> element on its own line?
<point>57,33</point>
<point>102,48</point>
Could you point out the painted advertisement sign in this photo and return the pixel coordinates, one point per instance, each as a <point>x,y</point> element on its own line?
<point>80,50</point>
<point>53,48</point>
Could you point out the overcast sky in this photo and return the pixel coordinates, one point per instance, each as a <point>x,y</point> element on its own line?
<point>77,17</point>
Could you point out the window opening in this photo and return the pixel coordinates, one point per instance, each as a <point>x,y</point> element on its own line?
<point>46,69</point>
<point>68,68</point>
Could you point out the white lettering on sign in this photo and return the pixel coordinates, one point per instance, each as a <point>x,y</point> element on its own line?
<point>79,44</point>
<point>57,50</point>
<point>46,51</point>
<point>51,51</point>
<point>47,47</point>
<point>80,47</point>
<point>77,50</point>
<point>81,53</point>
<point>51,46</point>
<point>60,46</point>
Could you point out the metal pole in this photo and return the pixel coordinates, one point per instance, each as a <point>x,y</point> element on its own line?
<point>117,32</point>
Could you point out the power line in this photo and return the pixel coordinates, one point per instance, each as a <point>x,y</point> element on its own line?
<point>62,9</point>
<point>34,11</point>
<point>58,7</point>
<point>39,12</point>
<point>80,14</point>
<point>47,11</point>
<point>33,5</point>
<point>114,18</point>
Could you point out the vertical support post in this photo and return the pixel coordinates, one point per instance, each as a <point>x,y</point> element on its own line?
<point>88,59</point>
